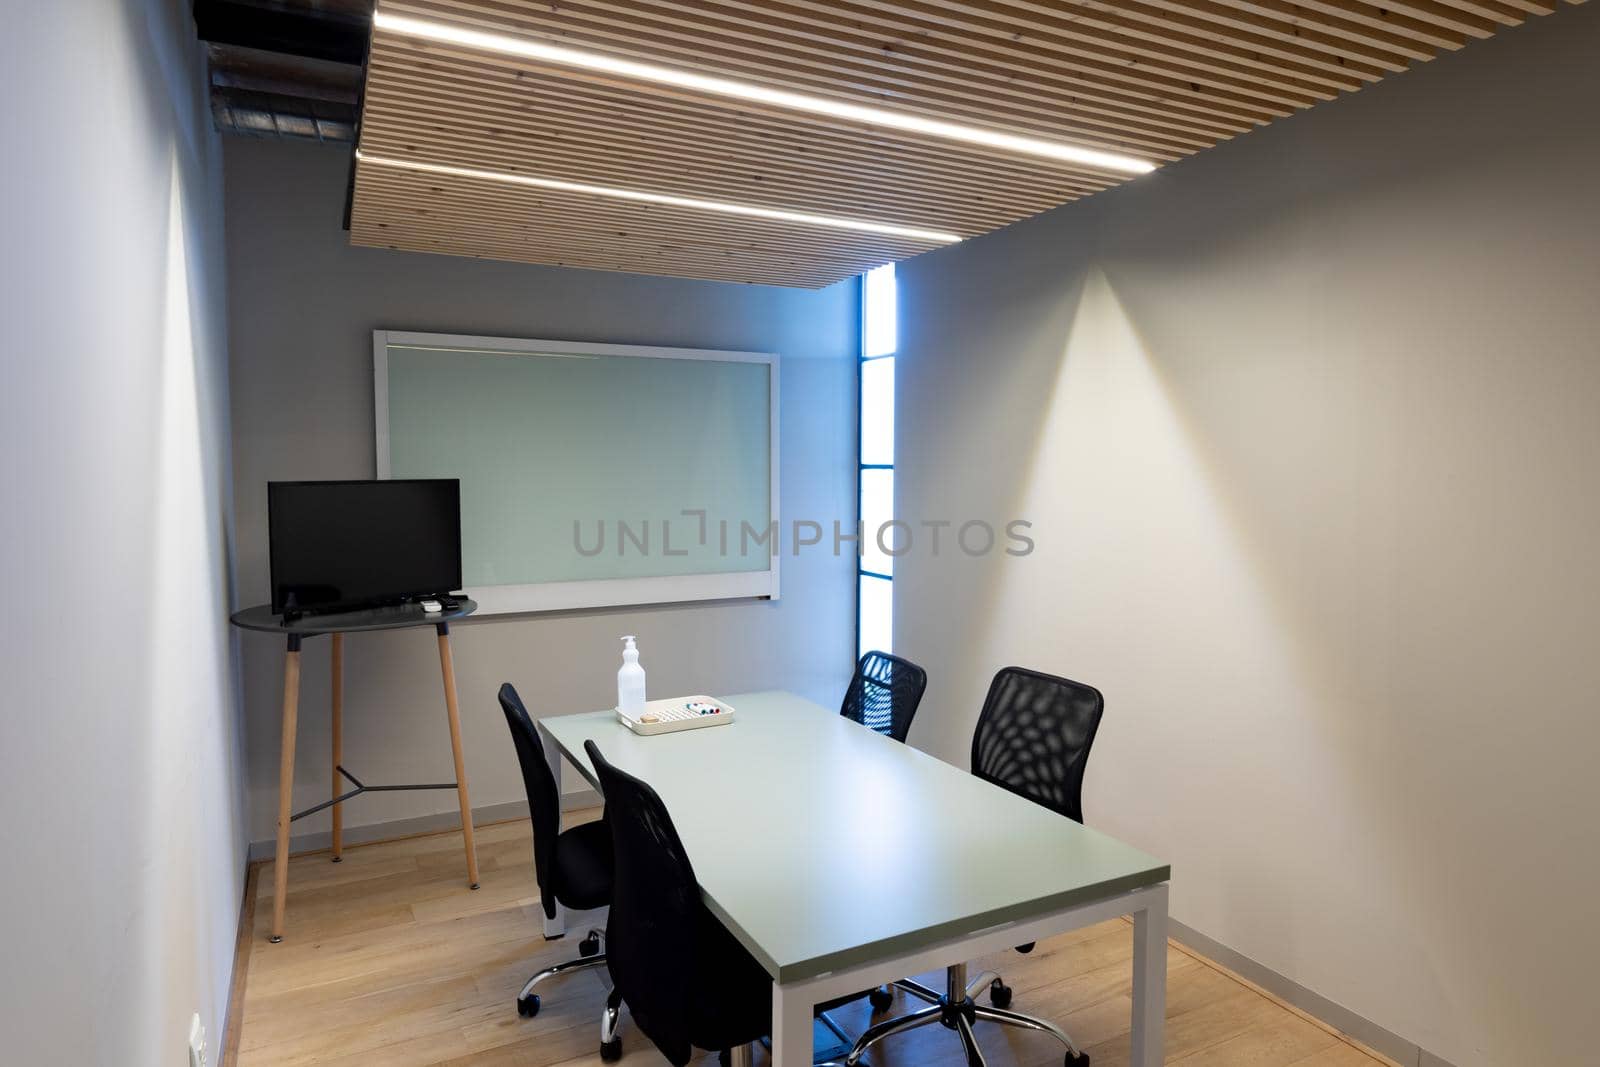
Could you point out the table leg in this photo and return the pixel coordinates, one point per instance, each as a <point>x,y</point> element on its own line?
<point>291,708</point>
<point>792,1036</point>
<point>338,744</point>
<point>448,669</point>
<point>557,926</point>
<point>1149,980</point>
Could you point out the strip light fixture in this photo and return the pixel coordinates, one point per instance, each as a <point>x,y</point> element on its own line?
<point>859,225</point>
<point>816,105</point>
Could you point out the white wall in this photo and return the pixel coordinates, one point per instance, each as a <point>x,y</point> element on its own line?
<point>1307,426</point>
<point>303,305</point>
<point>119,765</point>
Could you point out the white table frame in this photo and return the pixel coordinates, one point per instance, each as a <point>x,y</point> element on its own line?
<point>793,1002</point>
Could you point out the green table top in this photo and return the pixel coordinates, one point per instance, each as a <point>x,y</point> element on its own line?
<point>823,845</point>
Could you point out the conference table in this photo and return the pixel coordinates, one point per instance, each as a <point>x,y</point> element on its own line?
<point>843,860</point>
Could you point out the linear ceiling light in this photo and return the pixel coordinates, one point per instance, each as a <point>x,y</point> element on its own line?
<point>873,116</point>
<point>859,225</point>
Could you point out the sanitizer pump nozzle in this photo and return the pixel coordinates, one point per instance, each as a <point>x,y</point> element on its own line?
<point>630,679</point>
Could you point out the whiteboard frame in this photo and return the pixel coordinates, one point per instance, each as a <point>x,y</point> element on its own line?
<point>600,592</point>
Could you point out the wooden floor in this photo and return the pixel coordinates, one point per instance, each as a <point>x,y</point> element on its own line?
<point>388,959</point>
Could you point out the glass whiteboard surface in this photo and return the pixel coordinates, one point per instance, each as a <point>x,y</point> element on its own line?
<point>585,469</point>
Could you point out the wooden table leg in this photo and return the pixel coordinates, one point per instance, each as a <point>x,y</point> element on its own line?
<point>338,744</point>
<point>448,669</point>
<point>291,708</point>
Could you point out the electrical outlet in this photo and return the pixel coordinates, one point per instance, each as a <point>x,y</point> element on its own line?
<point>197,1042</point>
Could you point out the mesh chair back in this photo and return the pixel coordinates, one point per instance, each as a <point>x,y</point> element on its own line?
<point>544,795</point>
<point>651,931</point>
<point>1033,737</point>
<point>884,694</point>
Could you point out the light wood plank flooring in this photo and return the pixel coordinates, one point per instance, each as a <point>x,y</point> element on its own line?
<point>388,959</point>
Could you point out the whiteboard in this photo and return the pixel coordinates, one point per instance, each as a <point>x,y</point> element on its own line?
<point>592,475</point>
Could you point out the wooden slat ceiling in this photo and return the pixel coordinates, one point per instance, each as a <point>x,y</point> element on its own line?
<point>1152,79</point>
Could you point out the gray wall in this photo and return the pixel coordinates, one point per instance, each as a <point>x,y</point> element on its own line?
<point>1307,426</point>
<point>119,766</point>
<point>303,304</point>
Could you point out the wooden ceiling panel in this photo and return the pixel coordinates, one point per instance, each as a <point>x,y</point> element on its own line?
<point>424,212</point>
<point>1155,80</point>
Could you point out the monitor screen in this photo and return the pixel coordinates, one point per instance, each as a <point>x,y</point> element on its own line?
<point>351,544</point>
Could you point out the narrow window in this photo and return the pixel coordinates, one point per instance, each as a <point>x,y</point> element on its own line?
<point>875,574</point>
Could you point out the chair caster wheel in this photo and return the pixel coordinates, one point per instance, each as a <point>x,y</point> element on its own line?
<point>1025,949</point>
<point>589,946</point>
<point>528,1006</point>
<point>999,994</point>
<point>1077,1059</point>
<point>611,1051</point>
<point>880,999</point>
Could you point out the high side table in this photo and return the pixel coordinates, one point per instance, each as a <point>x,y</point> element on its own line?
<point>261,618</point>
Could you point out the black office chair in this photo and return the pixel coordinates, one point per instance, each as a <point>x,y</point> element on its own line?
<point>686,980</point>
<point>884,694</point>
<point>572,867</point>
<point>1033,739</point>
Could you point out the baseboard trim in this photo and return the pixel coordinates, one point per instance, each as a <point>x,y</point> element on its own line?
<point>1286,990</point>
<point>244,940</point>
<point>422,824</point>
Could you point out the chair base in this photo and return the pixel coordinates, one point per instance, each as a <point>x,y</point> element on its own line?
<point>957,1010</point>
<point>611,1027</point>
<point>591,954</point>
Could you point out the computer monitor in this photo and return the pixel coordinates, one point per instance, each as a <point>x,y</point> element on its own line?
<point>352,544</point>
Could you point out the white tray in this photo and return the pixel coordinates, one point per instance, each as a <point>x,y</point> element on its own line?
<point>669,715</point>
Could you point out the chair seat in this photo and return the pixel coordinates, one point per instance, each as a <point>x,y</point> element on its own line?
<point>583,867</point>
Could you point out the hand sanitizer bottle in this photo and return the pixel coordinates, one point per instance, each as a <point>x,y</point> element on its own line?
<point>630,679</point>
